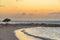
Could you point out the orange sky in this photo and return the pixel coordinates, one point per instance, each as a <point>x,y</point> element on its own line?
<point>29,6</point>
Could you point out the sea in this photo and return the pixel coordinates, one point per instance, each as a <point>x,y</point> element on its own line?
<point>27,22</point>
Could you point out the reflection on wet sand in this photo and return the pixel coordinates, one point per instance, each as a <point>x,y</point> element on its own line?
<point>43,38</point>
<point>21,36</point>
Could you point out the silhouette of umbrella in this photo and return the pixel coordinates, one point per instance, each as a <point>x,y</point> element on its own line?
<point>6,20</point>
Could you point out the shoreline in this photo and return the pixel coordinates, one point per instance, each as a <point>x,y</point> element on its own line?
<point>33,25</point>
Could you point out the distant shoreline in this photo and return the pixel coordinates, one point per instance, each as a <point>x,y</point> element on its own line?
<point>33,25</point>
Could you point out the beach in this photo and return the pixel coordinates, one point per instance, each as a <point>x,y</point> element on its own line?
<point>7,31</point>
<point>15,32</point>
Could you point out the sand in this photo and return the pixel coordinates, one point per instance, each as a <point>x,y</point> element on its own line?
<point>7,31</point>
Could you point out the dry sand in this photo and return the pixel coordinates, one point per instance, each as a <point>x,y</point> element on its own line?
<point>7,32</point>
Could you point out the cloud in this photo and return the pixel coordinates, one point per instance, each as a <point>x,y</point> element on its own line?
<point>54,15</point>
<point>23,14</point>
<point>18,0</point>
<point>1,5</point>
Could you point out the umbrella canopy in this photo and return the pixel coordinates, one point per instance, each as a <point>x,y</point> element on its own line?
<point>6,20</point>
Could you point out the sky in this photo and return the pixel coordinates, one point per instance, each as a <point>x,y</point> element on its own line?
<point>30,9</point>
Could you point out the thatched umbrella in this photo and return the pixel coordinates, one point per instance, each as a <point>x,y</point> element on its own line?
<point>6,20</point>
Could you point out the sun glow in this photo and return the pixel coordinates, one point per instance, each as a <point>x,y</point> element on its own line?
<point>39,5</point>
<point>30,6</point>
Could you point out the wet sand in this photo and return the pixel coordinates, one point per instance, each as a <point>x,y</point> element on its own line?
<point>43,38</point>
<point>23,35</point>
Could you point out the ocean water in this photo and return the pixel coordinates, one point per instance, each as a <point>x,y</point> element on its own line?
<point>27,22</point>
<point>38,33</point>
